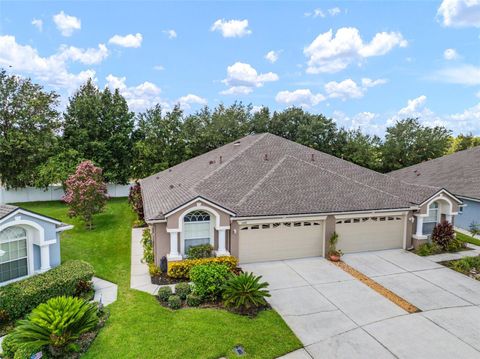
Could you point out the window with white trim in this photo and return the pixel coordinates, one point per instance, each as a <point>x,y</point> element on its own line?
<point>13,253</point>
<point>196,229</point>
<point>433,218</point>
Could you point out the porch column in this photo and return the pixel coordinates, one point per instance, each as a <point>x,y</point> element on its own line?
<point>44,258</point>
<point>419,226</point>
<point>174,255</point>
<point>222,249</point>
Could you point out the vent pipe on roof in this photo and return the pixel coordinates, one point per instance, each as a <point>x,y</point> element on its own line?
<point>266,157</point>
<point>236,143</point>
<point>313,157</point>
<point>221,159</point>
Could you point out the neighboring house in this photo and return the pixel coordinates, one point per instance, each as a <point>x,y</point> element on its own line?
<point>29,243</point>
<point>266,198</point>
<point>459,173</point>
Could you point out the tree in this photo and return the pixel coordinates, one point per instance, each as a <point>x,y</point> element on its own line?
<point>57,168</point>
<point>99,125</point>
<point>408,143</point>
<point>28,121</point>
<point>160,141</point>
<point>359,148</point>
<point>86,193</point>
<point>463,142</point>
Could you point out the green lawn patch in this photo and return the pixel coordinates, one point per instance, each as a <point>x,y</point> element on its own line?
<point>468,239</point>
<point>139,327</point>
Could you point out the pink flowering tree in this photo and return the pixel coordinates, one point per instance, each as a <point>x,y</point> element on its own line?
<point>86,193</point>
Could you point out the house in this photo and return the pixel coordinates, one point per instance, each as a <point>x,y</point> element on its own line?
<point>29,243</point>
<point>267,198</point>
<point>459,173</point>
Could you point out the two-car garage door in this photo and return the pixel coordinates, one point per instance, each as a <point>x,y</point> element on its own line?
<point>281,240</point>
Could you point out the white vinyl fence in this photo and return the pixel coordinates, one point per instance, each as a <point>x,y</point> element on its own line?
<point>52,193</point>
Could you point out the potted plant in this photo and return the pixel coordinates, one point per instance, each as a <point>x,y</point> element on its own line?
<point>334,254</point>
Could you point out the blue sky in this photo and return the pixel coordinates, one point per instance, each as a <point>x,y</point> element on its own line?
<point>365,64</point>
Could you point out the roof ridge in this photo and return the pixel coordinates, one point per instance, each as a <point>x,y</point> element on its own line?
<point>346,177</point>
<point>194,188</point>
<point>260,181</point>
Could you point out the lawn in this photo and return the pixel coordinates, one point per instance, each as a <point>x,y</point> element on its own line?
<point>468,239</point>
<point>141,328</point>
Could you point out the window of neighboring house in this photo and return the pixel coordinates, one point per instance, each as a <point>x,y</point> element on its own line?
<point>13,253</point>
<point>196,229</point>
<point>433,218</point>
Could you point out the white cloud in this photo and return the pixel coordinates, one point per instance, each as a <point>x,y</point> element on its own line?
<point>52,70</point>
<point>66,24</point>
<point>172,34</point>
<point>231,28</point>
<point>329,53</point>
<point>272,56</point>
<point>85,56</point>
<point>413,107</point>
<point>191,99</point>
<point>460,13</point>
<point>365,121</point>
<point>140,97</point>
<point>242,78</point>
<point>450,54</point>
<point>465,75</point>
<point>349,89</point>
<point>38,23</point>
<point>129,40</point>
<point>300,97</point>
<point>334,11</point>
<point>159,67</point>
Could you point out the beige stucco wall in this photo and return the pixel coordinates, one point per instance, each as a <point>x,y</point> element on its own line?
<point>172,220</point>
<point>442,203</point>
<point>234,235</point>
<point>329,229</point>
<point>161,241</point>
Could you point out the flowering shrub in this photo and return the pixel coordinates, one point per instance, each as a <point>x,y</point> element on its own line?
<point>181,269</point>
<point>135,200</point>
<point>86,193</point>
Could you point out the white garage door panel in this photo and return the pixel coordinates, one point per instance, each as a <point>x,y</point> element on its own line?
<point>362,234</point>
<point>280,242</point>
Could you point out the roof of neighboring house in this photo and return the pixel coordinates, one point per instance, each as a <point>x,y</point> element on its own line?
<point>263,175</point>
<point>6,209</point>
<point>459,173</point>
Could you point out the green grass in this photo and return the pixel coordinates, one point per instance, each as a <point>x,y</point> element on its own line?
<point>139,327</point>
<point>468,239</point>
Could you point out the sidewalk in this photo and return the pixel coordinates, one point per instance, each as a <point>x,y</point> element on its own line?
<point>139,277</point>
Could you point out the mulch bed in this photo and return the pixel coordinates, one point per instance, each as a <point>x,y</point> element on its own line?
<point>394,298</point>
<point>163,279</point>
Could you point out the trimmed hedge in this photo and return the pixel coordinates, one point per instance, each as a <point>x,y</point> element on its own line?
<point>181,269</point>
<point>19,298</point>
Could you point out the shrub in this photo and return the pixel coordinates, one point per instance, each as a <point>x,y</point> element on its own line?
<point>182,290</point>
<point>201,251</point>
<point>427,249</point>
<point>21,297</point>
<point>56,324</point>
<point>208,279</point>
<point>193,300</point>
<point>153,270</point>
<point>147,244</point>
<point>466,264</point>
<point>245,291</point>
<point>9,347</point>
<point>181,269</point>
<point>474,229</point>
<point>443,234</point>
<point>164,293</point>
<point>174,302</point>
<point>455,245</point>
<point>83,287</point>
<point>135,200</point>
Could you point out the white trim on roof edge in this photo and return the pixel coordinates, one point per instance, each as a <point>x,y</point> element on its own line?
<point>441,192</point>
<point>199,198</point>
<point>31,214</point>
<point>469,199</point>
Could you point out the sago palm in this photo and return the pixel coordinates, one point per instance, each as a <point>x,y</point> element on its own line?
<point>245,291</point>
<point>56,324</point>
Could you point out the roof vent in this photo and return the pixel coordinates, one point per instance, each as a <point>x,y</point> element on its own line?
<point>158,177</point>
<point>236,143</point>
<point>211,162</point>
<point>221,159</point>
<point>171,186</point>
<point>266,157</point>
<point>313,157</point>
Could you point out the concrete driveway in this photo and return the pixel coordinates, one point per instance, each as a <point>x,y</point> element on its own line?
<point>336,316</point>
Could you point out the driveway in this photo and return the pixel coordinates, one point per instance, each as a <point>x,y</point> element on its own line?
<point>336,316</point>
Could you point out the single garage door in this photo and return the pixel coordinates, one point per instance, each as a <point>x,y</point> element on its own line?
<point>276,241</point>
<point>370,233</point>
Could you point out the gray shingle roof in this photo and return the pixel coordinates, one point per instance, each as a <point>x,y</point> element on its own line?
<point>459,173</point>
<point>6,209</point>
<point>268,175</point>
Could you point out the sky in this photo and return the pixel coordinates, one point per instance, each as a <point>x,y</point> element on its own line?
<point>366,64</point>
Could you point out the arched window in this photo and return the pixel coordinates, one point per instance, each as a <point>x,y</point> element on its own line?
<point>13,253</point>
<point>196,229</point>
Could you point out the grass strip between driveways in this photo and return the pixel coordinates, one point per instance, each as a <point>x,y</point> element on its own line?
<point>394,298</point>
<point>467,239</point>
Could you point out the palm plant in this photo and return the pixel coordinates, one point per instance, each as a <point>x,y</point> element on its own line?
<point>245,291</point>
<point>56,324</point>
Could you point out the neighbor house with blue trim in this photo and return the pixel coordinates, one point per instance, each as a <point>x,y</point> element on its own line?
<point>459,173</point>
<point>29,243</point>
